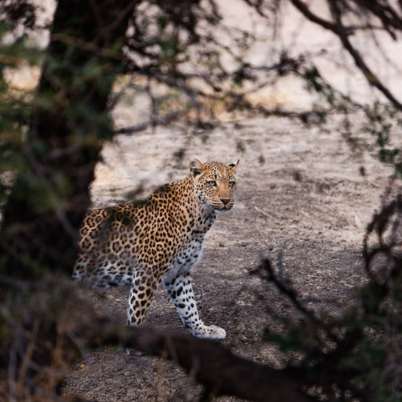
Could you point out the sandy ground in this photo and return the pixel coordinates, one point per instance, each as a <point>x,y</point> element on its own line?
<point>300,195</point>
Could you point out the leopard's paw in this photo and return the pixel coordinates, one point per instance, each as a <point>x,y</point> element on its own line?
<point>210,332</point>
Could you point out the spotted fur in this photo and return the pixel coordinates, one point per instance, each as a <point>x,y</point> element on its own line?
<point>142,244</point>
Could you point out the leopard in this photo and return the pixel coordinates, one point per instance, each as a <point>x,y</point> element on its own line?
<point>144,243</point>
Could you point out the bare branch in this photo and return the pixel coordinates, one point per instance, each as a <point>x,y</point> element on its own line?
<point>341,32</point>
<point>153,122</point>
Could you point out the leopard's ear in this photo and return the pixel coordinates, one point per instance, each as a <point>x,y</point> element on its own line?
<point>234,165</point>
<point>196,167</point>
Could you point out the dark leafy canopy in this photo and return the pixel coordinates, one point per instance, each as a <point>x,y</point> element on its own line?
<point>50,142</point>
<point>68,122</point>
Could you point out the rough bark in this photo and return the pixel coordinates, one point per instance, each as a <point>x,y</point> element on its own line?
<point>69,122</point>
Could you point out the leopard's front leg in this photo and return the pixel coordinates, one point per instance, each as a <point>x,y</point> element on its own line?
<point>180,291</point>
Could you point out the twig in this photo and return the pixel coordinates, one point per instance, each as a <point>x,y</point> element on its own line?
<point>341,32</point>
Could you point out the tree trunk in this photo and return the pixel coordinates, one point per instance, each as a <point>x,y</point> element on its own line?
<point>69,123</point>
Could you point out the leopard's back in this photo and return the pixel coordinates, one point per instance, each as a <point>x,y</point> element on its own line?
<point>118,241</point>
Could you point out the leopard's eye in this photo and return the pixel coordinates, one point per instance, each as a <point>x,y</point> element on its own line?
<point>211,183</point>
<point>232,183</point>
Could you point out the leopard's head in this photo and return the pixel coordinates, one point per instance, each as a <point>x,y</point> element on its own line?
<point>215,183</point>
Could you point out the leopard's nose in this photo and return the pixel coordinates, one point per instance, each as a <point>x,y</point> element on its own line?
<point>225,200</point>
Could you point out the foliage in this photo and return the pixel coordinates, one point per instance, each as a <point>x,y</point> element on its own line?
<point>14,107</point>
<point>354,356</point>
<point>57,153</point>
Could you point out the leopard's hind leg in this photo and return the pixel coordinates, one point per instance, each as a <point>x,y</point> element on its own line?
<point>141,293</point>
<point>82,267</point>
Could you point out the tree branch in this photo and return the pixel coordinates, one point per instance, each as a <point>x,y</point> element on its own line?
<point>341,32</point>
<point>213,366</point>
